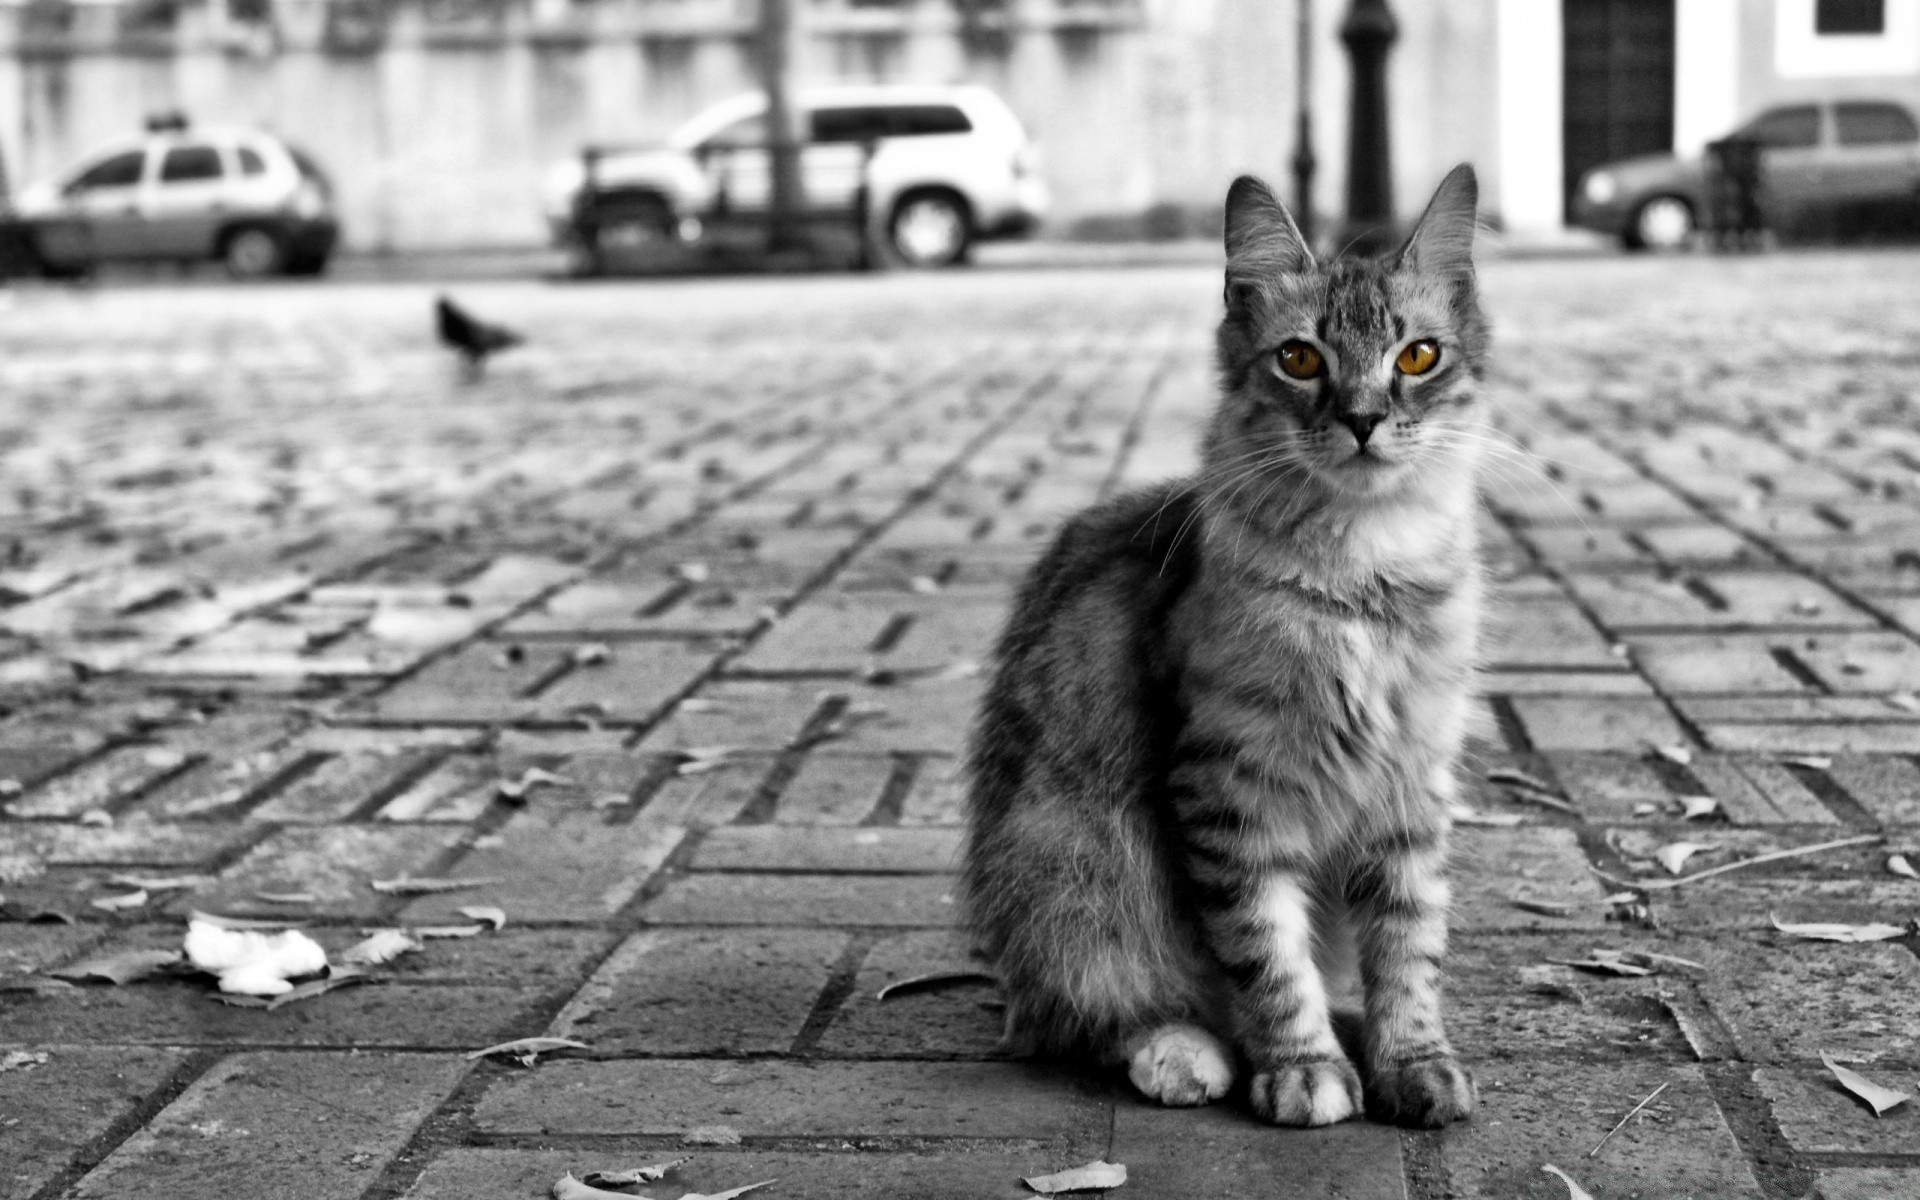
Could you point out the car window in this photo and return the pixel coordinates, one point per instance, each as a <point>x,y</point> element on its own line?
<point>915,120</point>
<point>1873,124</point>
<point>187,164</point>
<point>745,133</point>
<point>1796,126</point>
<point>251,163</point>
<point>847,124</point>
<point>122,170</point>
<point>894,120</point>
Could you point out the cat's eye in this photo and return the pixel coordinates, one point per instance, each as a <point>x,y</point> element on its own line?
<point>1418,358</point>
<point>1298,360</point>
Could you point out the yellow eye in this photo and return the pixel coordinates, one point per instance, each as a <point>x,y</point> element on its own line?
<point>1418,358</point>
<point>1298,359</point>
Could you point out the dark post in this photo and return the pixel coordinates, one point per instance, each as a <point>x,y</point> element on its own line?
<point>1303,161</point>
<point>784,203</point>
<point>1369,31</point>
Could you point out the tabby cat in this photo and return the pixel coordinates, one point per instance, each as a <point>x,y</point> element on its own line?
<point>1224,721</point>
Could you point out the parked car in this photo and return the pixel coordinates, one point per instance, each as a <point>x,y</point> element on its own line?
<point>237,196</point>
<point>931,169</point>
<point>1819,159</point>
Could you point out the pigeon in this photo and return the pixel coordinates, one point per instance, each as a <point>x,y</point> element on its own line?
<point>472,337</point>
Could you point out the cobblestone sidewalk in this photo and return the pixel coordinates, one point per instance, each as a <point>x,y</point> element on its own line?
<point>285,602</point>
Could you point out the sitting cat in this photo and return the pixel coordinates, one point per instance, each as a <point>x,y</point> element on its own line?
<point>1226,713</point>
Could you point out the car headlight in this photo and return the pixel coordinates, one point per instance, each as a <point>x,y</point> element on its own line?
<point>1601,187</point>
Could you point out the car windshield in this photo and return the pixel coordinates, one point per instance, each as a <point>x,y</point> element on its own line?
<point>1796,126</point>
<point>121,170</point>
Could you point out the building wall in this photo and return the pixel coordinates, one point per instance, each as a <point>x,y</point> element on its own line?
<point>1782,60</point>
<point>438,118</point>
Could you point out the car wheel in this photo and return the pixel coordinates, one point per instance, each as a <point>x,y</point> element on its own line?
<point>931,229</point>
<point>632,223</point>
<point>1662,223</point>
<point>254,253</point>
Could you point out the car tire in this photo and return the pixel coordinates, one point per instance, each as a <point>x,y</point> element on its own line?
<point>1661,223</point>
<point>626,223</point>
<point>930,229</point>
<point>254,252</point>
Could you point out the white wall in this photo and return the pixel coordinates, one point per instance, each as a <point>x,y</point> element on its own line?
<point>1706,72</point>
<point>1529,72</point>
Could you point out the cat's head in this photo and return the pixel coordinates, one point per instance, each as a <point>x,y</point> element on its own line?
<point>1359,375</point>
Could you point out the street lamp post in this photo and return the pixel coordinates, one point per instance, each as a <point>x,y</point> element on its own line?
<point>784,217</point>
<point>1303,160</point>
<point>1369,31</point>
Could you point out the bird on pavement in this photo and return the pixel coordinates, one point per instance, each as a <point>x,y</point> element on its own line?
<point>473,338</point>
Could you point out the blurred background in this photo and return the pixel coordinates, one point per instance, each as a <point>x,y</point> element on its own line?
<point>438,126</point>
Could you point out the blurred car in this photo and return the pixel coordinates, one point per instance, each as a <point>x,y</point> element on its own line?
<point>1818,158</point>
<point>934,170</point>
<point>183,194</point>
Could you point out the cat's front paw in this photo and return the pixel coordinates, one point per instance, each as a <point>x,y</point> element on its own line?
<point>1429,1092</point>
<point>1307,1093</point>
<point>1181,1065</point>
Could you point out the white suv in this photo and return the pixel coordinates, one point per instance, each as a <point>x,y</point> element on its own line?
<point>929,170</point>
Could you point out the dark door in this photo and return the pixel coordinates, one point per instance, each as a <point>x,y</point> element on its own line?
<point>1618,90</point>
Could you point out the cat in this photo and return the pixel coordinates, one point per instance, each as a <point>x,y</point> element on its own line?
<point>1225,714</point>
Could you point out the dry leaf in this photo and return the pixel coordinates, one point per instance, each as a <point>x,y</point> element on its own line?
<point>1674,855</point>
<point>160,883</point>
<point>568,1188</point>
<point>700,759</point>
<point>220,922</point>
<point>1606,966</point>
<point>486,912</point>
<point>1813,762</point>
<point>592,654</point>
<point>964,668</point>
<point>925,585</point>
<point>1645,810</point>
<point>1905,701</point>
<point>699,704</point>
<point>1675,753</point>
<point>252,963</point>
<point>693,572</point>
<point>96,816</point>
<point>637,1175</point>
<point>932,980</point>
<point>22,1060</point>
<point>532,777</point>
<point>130,967</point>
<point>528,1048</point>
<point>448,931</point>
<point>1545,908</point>
<point>336,978</point>
<point>384,946</point>
<point>1692,808</point>
<point>1878,1098</point>
<point>287,897</point>
<point>1807,606</point>
<point>1462,815</point>
<point>1508,775</point>
<point>405,886</point>
<point>1897,864</point>
<point>1095,1176</point>
<point>1828,932</point>
<point>1574,1190</point>
<point>117,903</point>
<point>163,758</point>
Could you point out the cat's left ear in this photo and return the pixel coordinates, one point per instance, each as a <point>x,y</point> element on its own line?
<point>1442,243</point>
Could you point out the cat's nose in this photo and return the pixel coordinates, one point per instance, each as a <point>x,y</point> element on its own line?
<point>1362,424</point>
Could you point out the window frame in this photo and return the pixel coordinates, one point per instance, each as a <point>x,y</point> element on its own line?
<point>1840,114</point>
<point>1819,122</point>
<point>181,150</point>
<point>75,185</point>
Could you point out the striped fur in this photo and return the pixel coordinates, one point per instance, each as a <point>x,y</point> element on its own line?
<point>1226,713</point>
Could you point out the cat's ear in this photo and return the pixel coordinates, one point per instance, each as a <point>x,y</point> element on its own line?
<point>1262,240</point>
<point>1442,243</point>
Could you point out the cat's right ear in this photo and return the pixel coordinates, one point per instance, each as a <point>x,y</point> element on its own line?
<point>1262,240</point>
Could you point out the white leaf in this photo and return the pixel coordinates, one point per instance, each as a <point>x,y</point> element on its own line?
<point>638,1175</point>
<point>486,912</point>
<point>532,777</point>
<point>1645,810</point>
<point>1813,762</point>
<point>97,816</point>
<point>448,931</point>
<point>1675,753</point>
<point>1905,701</point>
<point>116,903</point>
<point>1878,1098</point>
<point>1574,1190</point>
<point>405,886</point>
<point>160,883</point>
<point>1674,855</point>
<point>1824,932</point>
<point>1692,808</point>
<point>130,967</point>
<point>592,654</point>
<point>568,1188</point>
<point>1807,606</point>
<point>1095,1175</point>
<point>693,572</point>
<point>934,979</point>
<point>699,705</point>
<point>1897,864</point>
<point>384,946</point>
<point>729,1194</point>
<point>528,1047</point>
<point>926,585</point>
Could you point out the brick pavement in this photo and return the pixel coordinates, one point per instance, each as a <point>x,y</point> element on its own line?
<point>285,601</point>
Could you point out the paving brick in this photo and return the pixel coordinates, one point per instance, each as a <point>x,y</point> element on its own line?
<point>1716,664</point>
<point>1789,1000</point>
<point>781,848</point>
<point>930,714</point>
<point>1506,1001</point>
<point>1757,791</point>
<point>723,992</point>
<point>1608,787</point>
<point>1866,1183</point>
<point>1623,601</point>
<point>334,863</point>
<point>1818,1116</point>
<point>1563,683</point>
<point>1537,1113</point>
<point>774,1098</point>
<point>938,794</point>
<point>1596,722</point>
<point>131,841</point>
<point>25,949</point>
<point>1224,1151</point>
<point>1494,867</point>
<point>1745,906</point>
<point>480,683</point>
<point>97,784</point>
<point>1816,738</point>
<point>1540,634</point>
<point>708,799</point>
<point>55,1108</point>
<point>341,785</point>
<point>556,865</point>
<point>1888,787</point>
<point>326,1123</point>
<point>633,684</point>
<point>726,899</point>
<point>751,714</point>
<point>955,1020</point>
<point>834,789</point>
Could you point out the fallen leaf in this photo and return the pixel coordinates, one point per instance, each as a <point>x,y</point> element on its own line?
<point>337,978</point>
<point>1509,775</point>
<point>1897,864</point>
<point>528,1048</point>
<point>22,1060</point>
<point>1675,753</point>
<point>252,963</point>
<point>1651,885</point>
<point>700,759</point>
<point>1905,701</point>
<point>592,654</point>
<point>384,946</point>
<point>405,886</point>
<point>1692,808</point>
<point>448,931</point>
<point>1545,908</point>
<point>287,897</point>
<point>1606,966</point>
<point>1674,855</point>
<point>486,912</point>
<point>1807,606</point>
<point>1878,1098</point>
<point>932,980</point>
<point>1645,810</point>
<point>1824,932</point>
<point>568,1188</point>
<point>163,758</point>
<point>1574,1190</point>
<point>1462,815</point>
<point>220,922</point>
<point>11,787</point>
<point>699,704</point>
<point>117,903</point>
<point>532,777</point>
<point>925,585</point>
<point>606,800</point>
<point>99,817</point>
<point>1813,762</point>
<point>636,1175</point>
<point>711,1135</point>
<point>729,1194</point>
<point>129,967</point>
<point>693,572</point>
<point>160,883</point>
<point>1095,1176</point>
